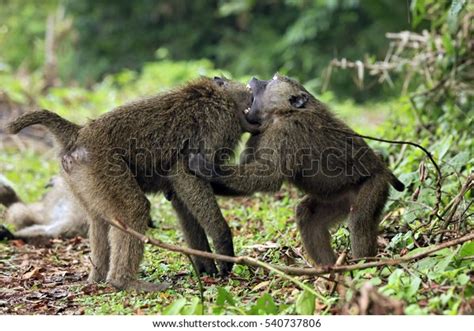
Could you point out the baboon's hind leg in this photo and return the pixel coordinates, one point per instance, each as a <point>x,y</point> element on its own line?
<point>98,227</point>
<point>22,215</point>
<point>115,193</point>
<point>365,216</point>
<point>100,248</point>
<point>314,219</point>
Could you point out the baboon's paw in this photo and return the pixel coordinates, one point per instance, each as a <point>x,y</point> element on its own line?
<point>96,277</point>
<point>205,266</point>
<point>225,268</point>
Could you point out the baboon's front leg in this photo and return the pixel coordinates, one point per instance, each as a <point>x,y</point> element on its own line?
<point>198,197</point>
<point>195,236</point>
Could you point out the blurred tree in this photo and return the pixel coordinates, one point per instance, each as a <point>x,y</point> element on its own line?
<point>297,37</point>
<point>300,37</point>
<point>122,33</point>
<point>22,30</point>
<point>245,37</point>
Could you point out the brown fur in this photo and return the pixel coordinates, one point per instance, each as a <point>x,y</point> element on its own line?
<point>142,147</point>
<point>339,173</point>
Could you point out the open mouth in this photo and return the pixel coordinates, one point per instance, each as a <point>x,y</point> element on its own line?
<point>249,88</point>
<point>250,112</point>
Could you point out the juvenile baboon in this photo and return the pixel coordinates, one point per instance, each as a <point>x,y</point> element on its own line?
<point>143,147</point>
<point>339,173</point>
<point>56,215</point>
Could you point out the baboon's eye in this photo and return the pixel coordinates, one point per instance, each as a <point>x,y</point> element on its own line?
<point>299,100</point>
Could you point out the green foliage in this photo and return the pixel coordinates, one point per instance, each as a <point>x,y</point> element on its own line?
<point>305,303</point>
<point>30,169</point>
<point>244,37</point>
<point>22,28</point>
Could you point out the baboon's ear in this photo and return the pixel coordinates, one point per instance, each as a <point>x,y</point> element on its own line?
<point>299,100</point>
<point>219,80</point>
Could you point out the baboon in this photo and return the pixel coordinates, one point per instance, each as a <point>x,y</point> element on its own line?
<point>143,147</point>
<point>303,143</point>
<point>56,215</point>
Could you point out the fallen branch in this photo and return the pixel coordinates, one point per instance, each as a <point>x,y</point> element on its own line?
<point>294,271</point>
<point>243,260</point>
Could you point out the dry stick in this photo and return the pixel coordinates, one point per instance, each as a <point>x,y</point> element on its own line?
<point>336,279</point>
<point>317,271</point>
<point>454,204</point>
<point>402,142</point>
<point>244,260</point>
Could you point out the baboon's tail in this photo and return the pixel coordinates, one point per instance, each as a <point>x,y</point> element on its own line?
<point>63,130</point>
<point>396,183</point>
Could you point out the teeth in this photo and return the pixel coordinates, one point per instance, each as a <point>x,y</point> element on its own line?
<point>248,87</point>
<point>246,111</point>
<point>275,77</point>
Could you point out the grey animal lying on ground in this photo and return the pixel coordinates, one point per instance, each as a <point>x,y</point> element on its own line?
<point>56,215</point>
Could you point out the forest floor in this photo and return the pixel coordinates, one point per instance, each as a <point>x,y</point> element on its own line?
<point>52,279</point>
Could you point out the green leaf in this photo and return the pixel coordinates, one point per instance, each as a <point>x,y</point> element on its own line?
<point>414,309</point>
<point>418,250</point>
<point>395,276</point>
<point>264,306</point>
<point>444,263</point>
<point>467,249</point>
<point>175,307</point>
<point>448,44</point>
<point>195,308</point>
<point>426,263</point>
<point>376,281</point>
<point>463,279</point>
<point>414,286</point>
<point>444,147</point>
<point>223,296</point>
<point>460,160</point>
<point>305,303</point>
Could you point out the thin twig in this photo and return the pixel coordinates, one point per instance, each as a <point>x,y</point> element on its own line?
<point>198,276</point>
<point>453,207</point>
<point>317,271</point>
<point>337,279</point>
<point>244,260</point>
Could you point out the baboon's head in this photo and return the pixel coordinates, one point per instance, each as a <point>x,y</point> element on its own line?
<point>238,92</point>
<point>279,94</point>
